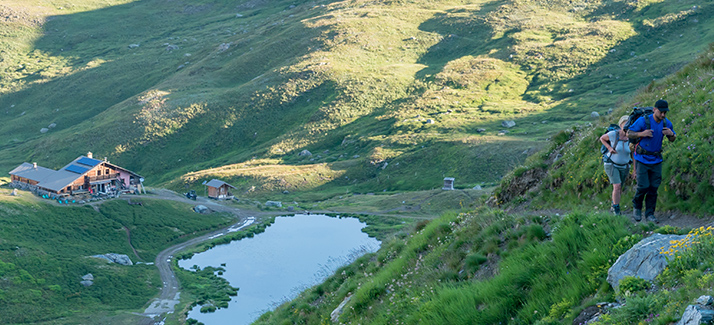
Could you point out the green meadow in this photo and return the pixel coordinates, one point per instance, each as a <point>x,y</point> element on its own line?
<point>389,97</point>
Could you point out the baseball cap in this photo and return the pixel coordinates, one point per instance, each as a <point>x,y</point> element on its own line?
<point>662,105</point>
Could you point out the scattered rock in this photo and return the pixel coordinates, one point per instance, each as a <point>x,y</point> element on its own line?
<point>86,283</point>
<point>52,125</point>
<point>705,300</point>
<point>480,130</point>
<point>44,130</point>
<point>543,122</point>
<point>642,260</point>
<point>171,47</point>
<point>133,46</point>
<point>88,277</point>
<point>202,209</point>
<point>594,114</point>
<point>224,46</point>
<point>508,124</point>
<point>697,314</point>
<point>276,204</point>
<point>478,187</point>
<point>335,314</point>
<point>239,15</point>
<point>305,153</point>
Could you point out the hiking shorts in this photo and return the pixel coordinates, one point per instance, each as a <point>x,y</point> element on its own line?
<point>617,175</point>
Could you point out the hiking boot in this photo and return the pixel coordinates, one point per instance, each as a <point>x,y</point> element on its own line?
<point>652,218</point>
<point>637,213</point>
<point>615,209</point>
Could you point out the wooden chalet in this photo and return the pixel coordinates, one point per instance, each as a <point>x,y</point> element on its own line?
<point>219,190</point>
<point>83,175</point>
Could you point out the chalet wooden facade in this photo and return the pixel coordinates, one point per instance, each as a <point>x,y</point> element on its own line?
<point>219,190</point>
<point>83,175</point>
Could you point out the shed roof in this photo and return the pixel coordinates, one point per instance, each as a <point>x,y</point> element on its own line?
<point>218,183</point>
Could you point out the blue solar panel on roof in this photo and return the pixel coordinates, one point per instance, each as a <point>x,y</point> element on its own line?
<point>77,169</point>
<point>88,161</point>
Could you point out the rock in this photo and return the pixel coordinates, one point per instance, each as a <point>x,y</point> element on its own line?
<point>52,125</point>
<point>430,121</point>
<point>14,192</point>
<point>291,208</point>
<point>286,192</point>
<point>478,187</point>
<point>355,156</point>
<point>44,130</point>
<point>115,258</point>
<point>480,130</point>
<point>239,15</point>
<point>276,204</point>
<point>508,124</point>
<point>543,122</point>
<point>305,153</point>
<point>224,46</point>
<point>385,164</point>
<point>592,313</point>
<point>335,314</point>
<point>119,258</point>
<point>594,115</point>
<point>133,46</point>
<point>642,260</point>
<point>171,47</point>
<point>201,209</point>
<point>88,277</point>
<point>705,300</point>
<point>696,314</point>
<point>86,283</point>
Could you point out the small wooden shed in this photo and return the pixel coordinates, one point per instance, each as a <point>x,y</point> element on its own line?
<point>219,190</point>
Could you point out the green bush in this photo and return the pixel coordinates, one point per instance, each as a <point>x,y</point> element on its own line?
<point>631,285</point>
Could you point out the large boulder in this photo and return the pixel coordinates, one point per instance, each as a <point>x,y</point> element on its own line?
<point>508,124</point>
<point>644,260</point>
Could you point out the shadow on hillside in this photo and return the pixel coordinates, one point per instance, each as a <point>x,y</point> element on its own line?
<point>652,53</point>
<point>121,51</point>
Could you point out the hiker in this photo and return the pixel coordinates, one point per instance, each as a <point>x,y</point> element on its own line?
<point>650,130</point>
<point>617,160</point>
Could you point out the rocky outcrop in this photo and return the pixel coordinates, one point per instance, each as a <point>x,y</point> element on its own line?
<point>116,258</point>
<point>644,260</point>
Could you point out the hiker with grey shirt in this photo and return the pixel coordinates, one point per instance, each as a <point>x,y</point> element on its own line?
<point>617,161</point>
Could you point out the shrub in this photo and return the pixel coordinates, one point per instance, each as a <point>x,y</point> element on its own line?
<point>631,285</point>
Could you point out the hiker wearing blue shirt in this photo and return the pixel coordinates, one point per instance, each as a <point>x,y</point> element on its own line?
<point>648,157</point>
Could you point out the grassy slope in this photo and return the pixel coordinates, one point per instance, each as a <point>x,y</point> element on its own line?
<point>43,250</point>
<point>353,82</point>
<point>489,266</point>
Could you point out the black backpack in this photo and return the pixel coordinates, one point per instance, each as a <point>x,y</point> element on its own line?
<point>637,112</point>
<point>603,149</point>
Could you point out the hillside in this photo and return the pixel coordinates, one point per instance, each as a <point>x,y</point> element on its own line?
<point>542,255</point>
<point>386,95</point>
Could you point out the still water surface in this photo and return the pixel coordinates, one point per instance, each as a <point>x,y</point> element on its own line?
<point>291,255</point>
